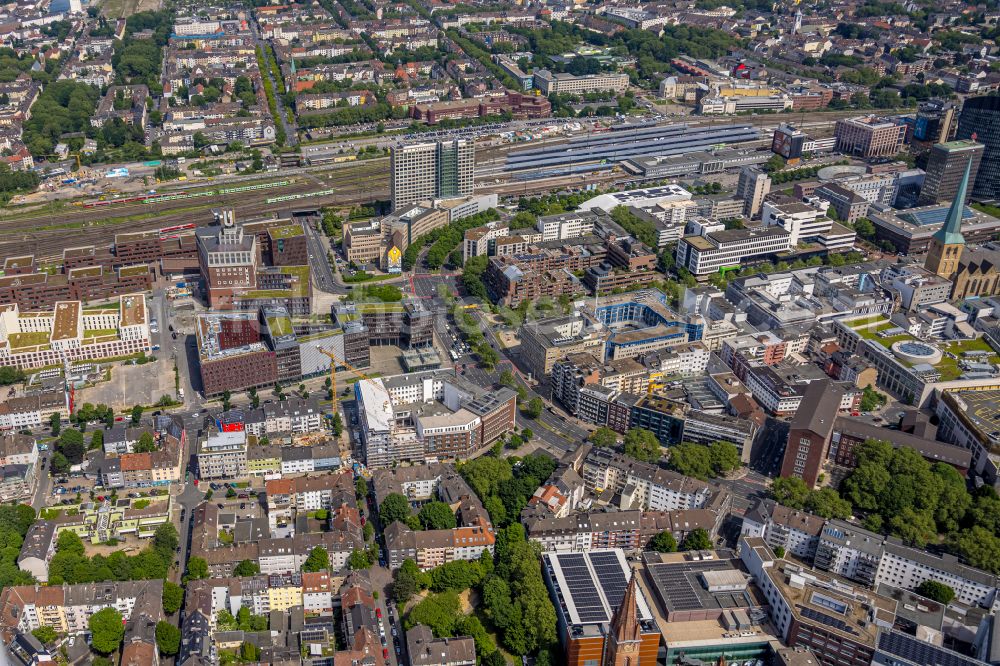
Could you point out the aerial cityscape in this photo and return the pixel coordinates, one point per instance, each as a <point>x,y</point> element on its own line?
<point>461,333</point>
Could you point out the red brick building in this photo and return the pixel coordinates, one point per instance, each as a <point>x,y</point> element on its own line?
<point>519,105</point>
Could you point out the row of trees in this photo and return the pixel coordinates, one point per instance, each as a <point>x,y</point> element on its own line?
<point>70,563</point>
<point>432,515</point>
<point>445,239</point>
<point>704,462</point>
<point>352,115</point>
<point>825,502</point>
<point>899,492</point>
<point>15,520</point>
<point>638,443</point>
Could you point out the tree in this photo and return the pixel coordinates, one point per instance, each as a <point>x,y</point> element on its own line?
<point>407,581</point>
<point>145,443</point>
<point>604,436</point>
<point>437,611</point>
<point>437,516</point>
<point>69,543</point>
<point>246,568</point>
<point>871,399</point>
<point>45,634</point>
<point>826,503</point>
<point>71,445</point>
<point>173,596</point>
<point>249,652</point>
<point>318,560</point>
<point>136,415</point>
<point>55,423</point>
<point>725,457</point>
<point>495,659</point>
<point>642,444</point>
<point>197,568</point>
<point>337,425</point>
<point>358,559</point>
<point>394,507</point>
<point>97,440</point>
<point>664,542</point>
<point>937,591</point>
<point>9,374</point>
<point>790,491</point>
<point>60,464</point>
<point>507,379</point>
<point>527,434</point>
<point>168,638</point>
<point>779,552</point>
<point>697,539</point>
<point>692,460</point>
<point>458,575</point>
<point>108,630</point>
<point>226,400</point>
<point>533,408</point>
<point>166,541</point>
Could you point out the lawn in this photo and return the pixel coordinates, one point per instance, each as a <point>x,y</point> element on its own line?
<point>24,340</point>
<point>949,368</point>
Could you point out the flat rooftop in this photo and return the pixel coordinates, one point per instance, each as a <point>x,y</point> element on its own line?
<point>923,221</point>
<point>133,310</point>
<point>685,585</point>
<point>286,231</point>
<point>590,586</point>
<point>66,323</point>
<point>844,610</point>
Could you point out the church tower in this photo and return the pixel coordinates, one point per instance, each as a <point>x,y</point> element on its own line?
<point>947,243</point>
<point>621,647</point>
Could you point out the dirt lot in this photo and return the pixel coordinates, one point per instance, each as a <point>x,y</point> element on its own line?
<point>386,361</point>
<point>133,385</point>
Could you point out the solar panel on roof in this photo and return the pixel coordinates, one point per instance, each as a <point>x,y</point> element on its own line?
<point>916,651</point>
<point>922,218</point>
<point>581,588</point>
<point>828,620</point>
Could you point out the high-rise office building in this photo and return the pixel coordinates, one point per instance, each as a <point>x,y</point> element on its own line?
<point>934,122</point>
<point>946,165</point>
<point>752,187</point>
<point>870,136</point>
<point>980,121</point>
<point>433,170</point>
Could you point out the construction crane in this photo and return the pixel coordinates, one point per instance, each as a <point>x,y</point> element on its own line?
<point>76,155</point>
<point>333,374</point>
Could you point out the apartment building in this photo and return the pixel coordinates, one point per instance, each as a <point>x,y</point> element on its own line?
<point>31,411</point>
<point>543,342</point>
<point>72,332</point>
<point>795,531</point>
<point>222,455</point>
<point>840,624</point>
<point>68,608</point>
<point>629,530</point>
<point>649,486</point>
<point>751,188</point>
<point>865,557</point>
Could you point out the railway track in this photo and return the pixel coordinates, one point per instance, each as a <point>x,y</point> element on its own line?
<point>46,236</point>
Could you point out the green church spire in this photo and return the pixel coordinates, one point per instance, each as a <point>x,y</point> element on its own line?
<point>950,232</point>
